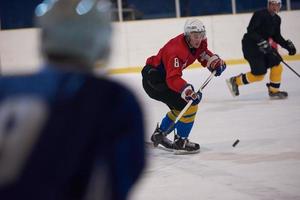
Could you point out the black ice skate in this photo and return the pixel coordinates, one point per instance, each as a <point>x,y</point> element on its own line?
<point>233,87</point>
<point>158,138</point>
<point>278,94</point>
<point>184,146</point>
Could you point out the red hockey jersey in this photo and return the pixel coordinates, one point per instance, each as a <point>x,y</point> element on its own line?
<point>175,56</point>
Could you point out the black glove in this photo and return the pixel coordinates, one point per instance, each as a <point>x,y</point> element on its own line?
<point>290,47</point>
<point>264,47</point>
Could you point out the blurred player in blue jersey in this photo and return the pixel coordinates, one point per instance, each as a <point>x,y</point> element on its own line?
<point>66,134</point>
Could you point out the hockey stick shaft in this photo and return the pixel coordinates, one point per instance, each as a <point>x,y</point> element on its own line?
<point>275,52</point>
<point>187,106</point>
<point>290,67</point>
<point>191,101</point>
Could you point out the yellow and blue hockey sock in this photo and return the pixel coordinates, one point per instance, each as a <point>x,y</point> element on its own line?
<point>185,123</point>
<point>166,123</point>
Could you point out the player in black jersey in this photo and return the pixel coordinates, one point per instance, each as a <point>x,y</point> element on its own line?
<point>66,134</point>
<point>264,24</point>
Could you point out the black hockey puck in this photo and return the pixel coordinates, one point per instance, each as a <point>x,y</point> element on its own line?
<point>236,142</point>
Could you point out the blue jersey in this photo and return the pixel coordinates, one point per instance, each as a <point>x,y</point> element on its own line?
<point>68,136</point>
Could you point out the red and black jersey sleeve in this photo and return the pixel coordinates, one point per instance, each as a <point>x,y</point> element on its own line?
<point>205,53</point>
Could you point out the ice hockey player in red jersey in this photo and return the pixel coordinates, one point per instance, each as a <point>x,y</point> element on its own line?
<point>162,81</point>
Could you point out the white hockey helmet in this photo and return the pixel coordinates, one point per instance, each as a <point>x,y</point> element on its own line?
<point>78,29</point>
<point>193,25</point>
<point>274,1</point>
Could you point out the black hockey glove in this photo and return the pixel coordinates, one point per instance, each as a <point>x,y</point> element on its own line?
<point>290,47</point>
<point>264,47</point>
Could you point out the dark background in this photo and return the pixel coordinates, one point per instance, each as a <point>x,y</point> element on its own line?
<point>20,13</point>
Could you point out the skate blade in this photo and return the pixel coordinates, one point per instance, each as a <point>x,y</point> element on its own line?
<point>164,148</point>
<point>230,88</point>
<point>184,152</point>
<point>277,98</point>
<point>159,146</point>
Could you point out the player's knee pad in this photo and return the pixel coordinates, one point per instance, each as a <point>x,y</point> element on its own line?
<point>277,69</point>
<point>275,74</point>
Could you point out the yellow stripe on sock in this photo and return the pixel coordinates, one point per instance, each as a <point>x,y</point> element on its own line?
<point>189,115</point>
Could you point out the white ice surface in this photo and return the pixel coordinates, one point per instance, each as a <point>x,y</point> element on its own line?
<point>265,165</point>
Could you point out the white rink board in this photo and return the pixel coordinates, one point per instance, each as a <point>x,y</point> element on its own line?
<point>134,41</point>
